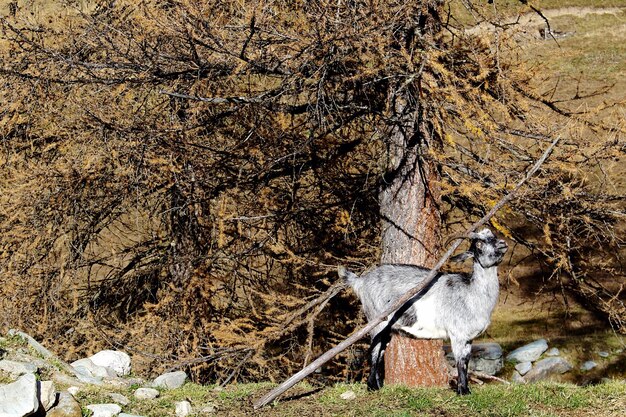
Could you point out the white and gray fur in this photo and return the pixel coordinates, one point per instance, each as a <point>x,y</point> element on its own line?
<point>454,306</point>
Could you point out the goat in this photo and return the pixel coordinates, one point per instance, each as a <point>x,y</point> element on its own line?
<point>453,306</point>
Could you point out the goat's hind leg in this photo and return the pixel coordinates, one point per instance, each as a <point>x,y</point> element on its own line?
<point>462,350</point>
<point>380,338</point>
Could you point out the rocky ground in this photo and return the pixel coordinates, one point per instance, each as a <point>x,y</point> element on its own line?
<point>34,381</point>
<point>37,382</point>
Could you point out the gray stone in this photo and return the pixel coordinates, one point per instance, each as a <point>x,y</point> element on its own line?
<point>82,374</point>
<point>87,367</point>
<point>183,409</point>
<point>127,415</point>
<point>45,353</point>
<point>523,367</point>
<point>553,352</point>
<point>486,358</point>
<point>19,398</point>
<point>603,354</point>
<point>17,368</point>
<point>528,353</point>
<point>348,395</point>
<point>146,393</point>
<point>66,406</point>
<point>170,380</point>
<point>119,398</point>
<point>64,379</point>
<point>517,378</point>
<point>47,394</point>
<point>74,391</point>
<point>588,366</point>
<point>104,410</point>
<point>31,360</point>
<point>93,380</point>
<point>116,360</point>
<point>547,367</point>
<point>32,343</point>
<point>79,381</point>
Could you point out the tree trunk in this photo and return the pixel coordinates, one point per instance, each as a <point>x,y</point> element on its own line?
<point>411,221</point>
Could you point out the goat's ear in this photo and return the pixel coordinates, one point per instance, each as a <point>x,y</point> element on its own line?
<point>462,256</point>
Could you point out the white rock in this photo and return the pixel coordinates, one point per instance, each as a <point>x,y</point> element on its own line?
<point>74,391</point>
<point>603,354</point>
<point>114,359</point>
<point>93,380</point>
<point>104,410</point>
<point>17,368</point>
<point>170,380</point>
<point>547,367</point>
<point>19,398</point>
<point>523,367</point>
<point>183,409</point>
<point>61,378</point>
<point>119,398</point>
<point>348,395</point>
<point>87,367</point>
<point>67,406</point>
<point>553,352</point>
<point>47,394</point>
<point>528,353</point>
<point>146,393</point>
<point>588,366</point>
<point>127,415</point>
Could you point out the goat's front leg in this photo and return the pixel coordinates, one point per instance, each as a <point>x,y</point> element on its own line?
<point>462,350</point>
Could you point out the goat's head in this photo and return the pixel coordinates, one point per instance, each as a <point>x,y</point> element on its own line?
<point>485,248</point>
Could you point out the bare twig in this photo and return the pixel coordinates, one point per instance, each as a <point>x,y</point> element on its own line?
<point>481,375</point>
<point>328,355</point>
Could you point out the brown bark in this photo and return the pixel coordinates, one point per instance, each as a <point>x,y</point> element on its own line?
<point>415,362</point>
<point>411,220</point>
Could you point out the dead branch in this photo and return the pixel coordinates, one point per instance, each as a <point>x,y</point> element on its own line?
<point>482,376</point>
<point>328,355</point>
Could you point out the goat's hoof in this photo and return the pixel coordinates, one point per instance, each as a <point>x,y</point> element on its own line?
<point>374,385</point>
<point>463,391</point>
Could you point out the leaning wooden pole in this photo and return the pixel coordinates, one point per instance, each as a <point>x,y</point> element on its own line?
<point>328,355</point>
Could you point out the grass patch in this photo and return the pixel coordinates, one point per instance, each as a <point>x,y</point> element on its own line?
<point>494,400</point>
<point>594,46</point>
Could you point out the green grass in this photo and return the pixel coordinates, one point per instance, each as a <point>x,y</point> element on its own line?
<point>493,400</point>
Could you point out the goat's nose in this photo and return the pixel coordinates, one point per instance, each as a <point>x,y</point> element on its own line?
<point>502,245</point>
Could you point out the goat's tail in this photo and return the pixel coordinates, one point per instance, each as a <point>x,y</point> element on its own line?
<point>347,276</point>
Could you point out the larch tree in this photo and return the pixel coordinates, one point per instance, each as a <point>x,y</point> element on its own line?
<point>182,177</point>
<point>410,200</point>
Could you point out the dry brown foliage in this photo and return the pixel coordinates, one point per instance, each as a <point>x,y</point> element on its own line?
<point>180,178</point>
